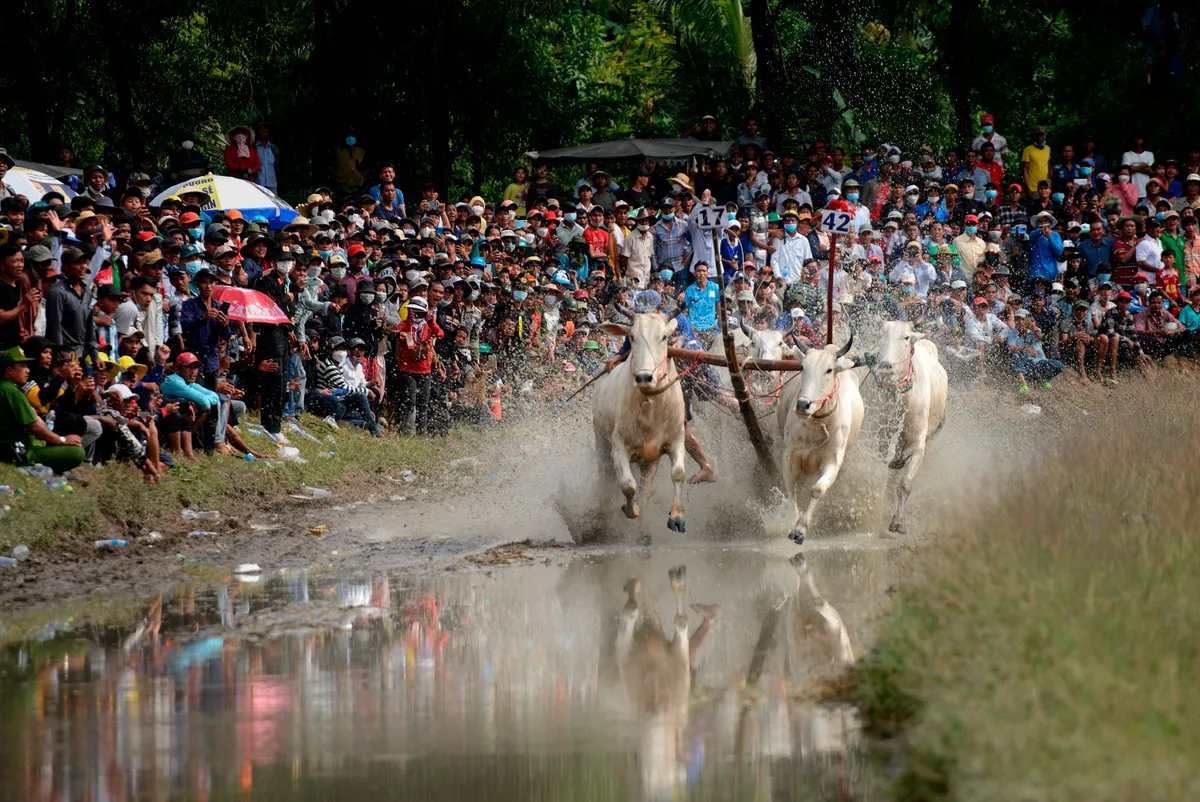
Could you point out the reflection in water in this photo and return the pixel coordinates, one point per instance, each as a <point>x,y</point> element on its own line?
<point>533,682</point>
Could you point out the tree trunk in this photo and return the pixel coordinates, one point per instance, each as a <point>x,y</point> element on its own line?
<point>772,77</point>
<point>958,71</point>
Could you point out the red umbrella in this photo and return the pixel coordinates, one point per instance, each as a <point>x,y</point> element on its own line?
<point>249,306</point>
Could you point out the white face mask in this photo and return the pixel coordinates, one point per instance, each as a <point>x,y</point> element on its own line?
<point>478,210</point>
<point>643,226</point>
<point>338,273</point>
<point>911,199</point>
<point>426,232</point>
<point>894,158</point>
<point>367,298</point>
<point>1122,179</point>
<point>339,356</point>
<point>314,271</point>
<point>541,232</point>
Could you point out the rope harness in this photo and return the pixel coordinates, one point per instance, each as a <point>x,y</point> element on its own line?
<point>902,386</point>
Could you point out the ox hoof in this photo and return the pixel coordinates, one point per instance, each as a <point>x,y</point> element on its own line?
<point>899,462</point>
<point>897,527</point>
<point>678,576</point>
<point>631,510</point>
<point>796,536</point>
<point>644,540</point>
<point>676,524</point>
<point>798,561</point>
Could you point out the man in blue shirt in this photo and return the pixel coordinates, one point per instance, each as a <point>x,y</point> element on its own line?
<point>1096,248</point>
<point>1066,171</point>
<point>205,327</point>
<point>701,300</point>
<point>387,173</point>
<point>1045,248</point>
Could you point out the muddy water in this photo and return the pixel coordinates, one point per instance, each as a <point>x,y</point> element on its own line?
<point>552,677</point>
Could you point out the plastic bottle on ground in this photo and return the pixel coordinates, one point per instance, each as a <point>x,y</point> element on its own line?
<point>21,552</point>
<point>8,562</point>
<point>114,543</point>
<point>316,492</point>
<point>201,533</point>
<point>191,514</point>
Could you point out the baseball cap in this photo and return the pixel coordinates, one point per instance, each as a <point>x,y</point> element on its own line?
<point>355,249</point>
<point>13,356</point>
<point>186,358</point>
<point>979,301</point>
<point>121,391</point>
<point>1124,296</point>
<point>958,284</point>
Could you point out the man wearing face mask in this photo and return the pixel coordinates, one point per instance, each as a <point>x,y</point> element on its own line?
<point>987,123</point>
<point>273,342</point>
<point>792,251</point>
<point>363,318</point>
<point>347,166</point>
<point>637,254</point>
<point>969,245</point>
<point>862,215</point>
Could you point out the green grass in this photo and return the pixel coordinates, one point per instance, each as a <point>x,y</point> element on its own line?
<point>1047,649</point>
<point>118,502</point>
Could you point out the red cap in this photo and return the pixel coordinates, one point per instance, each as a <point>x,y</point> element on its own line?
<point>355,249</point>
<point>980,301</point>
<point>580,295</point>
<point>874,258</point>
<point>1124,296</point>
<point>987,118</point>
<point>1017,187</point>
<point>971,218</point>
<point>188,217</point>
<point>186,358</point>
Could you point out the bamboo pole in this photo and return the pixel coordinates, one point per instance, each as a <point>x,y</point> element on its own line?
<point>688,355</point>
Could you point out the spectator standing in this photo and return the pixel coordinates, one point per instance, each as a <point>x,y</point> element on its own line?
<point>268,158</point>
<point>1141,162</point>
<point>1035,160</point>
<point>241,159</point>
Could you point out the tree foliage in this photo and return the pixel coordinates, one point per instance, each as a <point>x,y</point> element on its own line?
<point>455,92</point>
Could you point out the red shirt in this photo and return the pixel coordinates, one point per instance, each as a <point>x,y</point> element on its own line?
<point>597,240</point>
<point>417,358</point>
<point>1168,282</point>
<point>1123,272</point>
<point>996,171</point>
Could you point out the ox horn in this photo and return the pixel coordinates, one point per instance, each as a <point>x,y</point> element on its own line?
<point>846,348</point>
<point>745,327</point>
<point>801,347</point>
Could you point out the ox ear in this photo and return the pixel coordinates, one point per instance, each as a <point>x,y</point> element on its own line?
<point>913,336</point>
<point>672,325</point>
<point>615,329</point>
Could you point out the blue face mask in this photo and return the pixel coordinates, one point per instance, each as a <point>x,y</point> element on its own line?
<point>1160,216</point>
<point>970,229</point>
<point>1039,144</point>
<point>731,215</point>
<point>569,217</point>
<point>669,216</point>
<point>990,194</point>
<point>987,129</point>
<point>325,254</point>
<point>1019,230</point>
<point>868,159</point>
<point>790,227</point>
<point>1057,197</point>
<point>520,295</point>
<point>193,267</point>
<point>1086,170</point>
<point>852,197</point>
<point>196,233</point>
<point>350,141</point>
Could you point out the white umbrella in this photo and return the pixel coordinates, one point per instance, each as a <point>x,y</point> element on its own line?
<point>33,184</point>
<point>226,193</point>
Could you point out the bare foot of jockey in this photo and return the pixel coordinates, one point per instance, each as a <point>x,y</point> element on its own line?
<point>707,472</point>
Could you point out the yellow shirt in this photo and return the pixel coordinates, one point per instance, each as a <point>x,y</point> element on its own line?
<point>516,193</point>
<point>1038,160</point>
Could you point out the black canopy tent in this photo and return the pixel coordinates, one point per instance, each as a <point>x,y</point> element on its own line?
<point>635,150</point>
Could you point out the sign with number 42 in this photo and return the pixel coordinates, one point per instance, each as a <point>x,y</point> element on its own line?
<point>835,222</point>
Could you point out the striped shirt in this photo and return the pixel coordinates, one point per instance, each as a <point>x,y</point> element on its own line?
<point>670,245</point>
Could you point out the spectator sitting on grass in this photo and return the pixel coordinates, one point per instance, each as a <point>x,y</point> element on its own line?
<point>136,437</point>
<point>1028,358</point>
<point>24,437</point>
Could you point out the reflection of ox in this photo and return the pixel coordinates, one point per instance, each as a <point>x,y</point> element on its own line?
<point>638,413</point>
<point>657,675</point>
<point>912,383</point>
<point>819,416</point>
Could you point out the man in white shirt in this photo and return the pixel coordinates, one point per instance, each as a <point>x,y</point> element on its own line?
<point>637,254</point>
<point>1139,160</point>
<point>792,251</point>
<point>985,332</point>
<point>792,191</point>
<point>1148,253</point>
<point>987,123</point>
<point>913,264</point>
<point>862,215</point>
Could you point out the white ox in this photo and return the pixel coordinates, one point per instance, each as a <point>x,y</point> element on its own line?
<point>638,413</point>
<point>912,385</point>
<point>758,343</point>
<point>819,414</point>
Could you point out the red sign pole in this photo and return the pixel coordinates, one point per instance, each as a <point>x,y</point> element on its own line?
<point>829,304</point>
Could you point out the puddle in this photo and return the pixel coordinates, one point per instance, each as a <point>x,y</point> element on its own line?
<point>539,679</point>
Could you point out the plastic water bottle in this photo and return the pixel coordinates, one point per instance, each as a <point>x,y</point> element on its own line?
<point>59,483</point>
<point>114,543</point>
<point>50,420</point>
<point>21,552</point>
<point>38,471</point>
<point>191,514</point>
<point>8,562</point>
<point>250,458</point>
<point>316,492</point>
<point>201,533</point>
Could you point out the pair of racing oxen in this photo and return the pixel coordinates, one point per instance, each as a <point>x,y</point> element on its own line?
<point>638,412</point>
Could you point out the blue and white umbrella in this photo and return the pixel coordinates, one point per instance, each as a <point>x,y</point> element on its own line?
<point>226,193</point>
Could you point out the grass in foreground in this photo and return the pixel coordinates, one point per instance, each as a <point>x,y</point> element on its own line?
<point>1050,649</point>
<point>119,503</point>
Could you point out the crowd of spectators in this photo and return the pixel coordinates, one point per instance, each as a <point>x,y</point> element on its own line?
<point>115,342</point>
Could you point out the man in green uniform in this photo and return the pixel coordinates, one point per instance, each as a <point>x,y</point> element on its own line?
<point>24,437</point>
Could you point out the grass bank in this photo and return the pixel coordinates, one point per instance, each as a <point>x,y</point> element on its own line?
<point>118,503</point>
<point>1048,648</point>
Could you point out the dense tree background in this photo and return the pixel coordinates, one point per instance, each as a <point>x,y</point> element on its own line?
<point>456,91</point>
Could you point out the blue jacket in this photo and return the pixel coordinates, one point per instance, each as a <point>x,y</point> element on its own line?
<point>1044,253</point>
